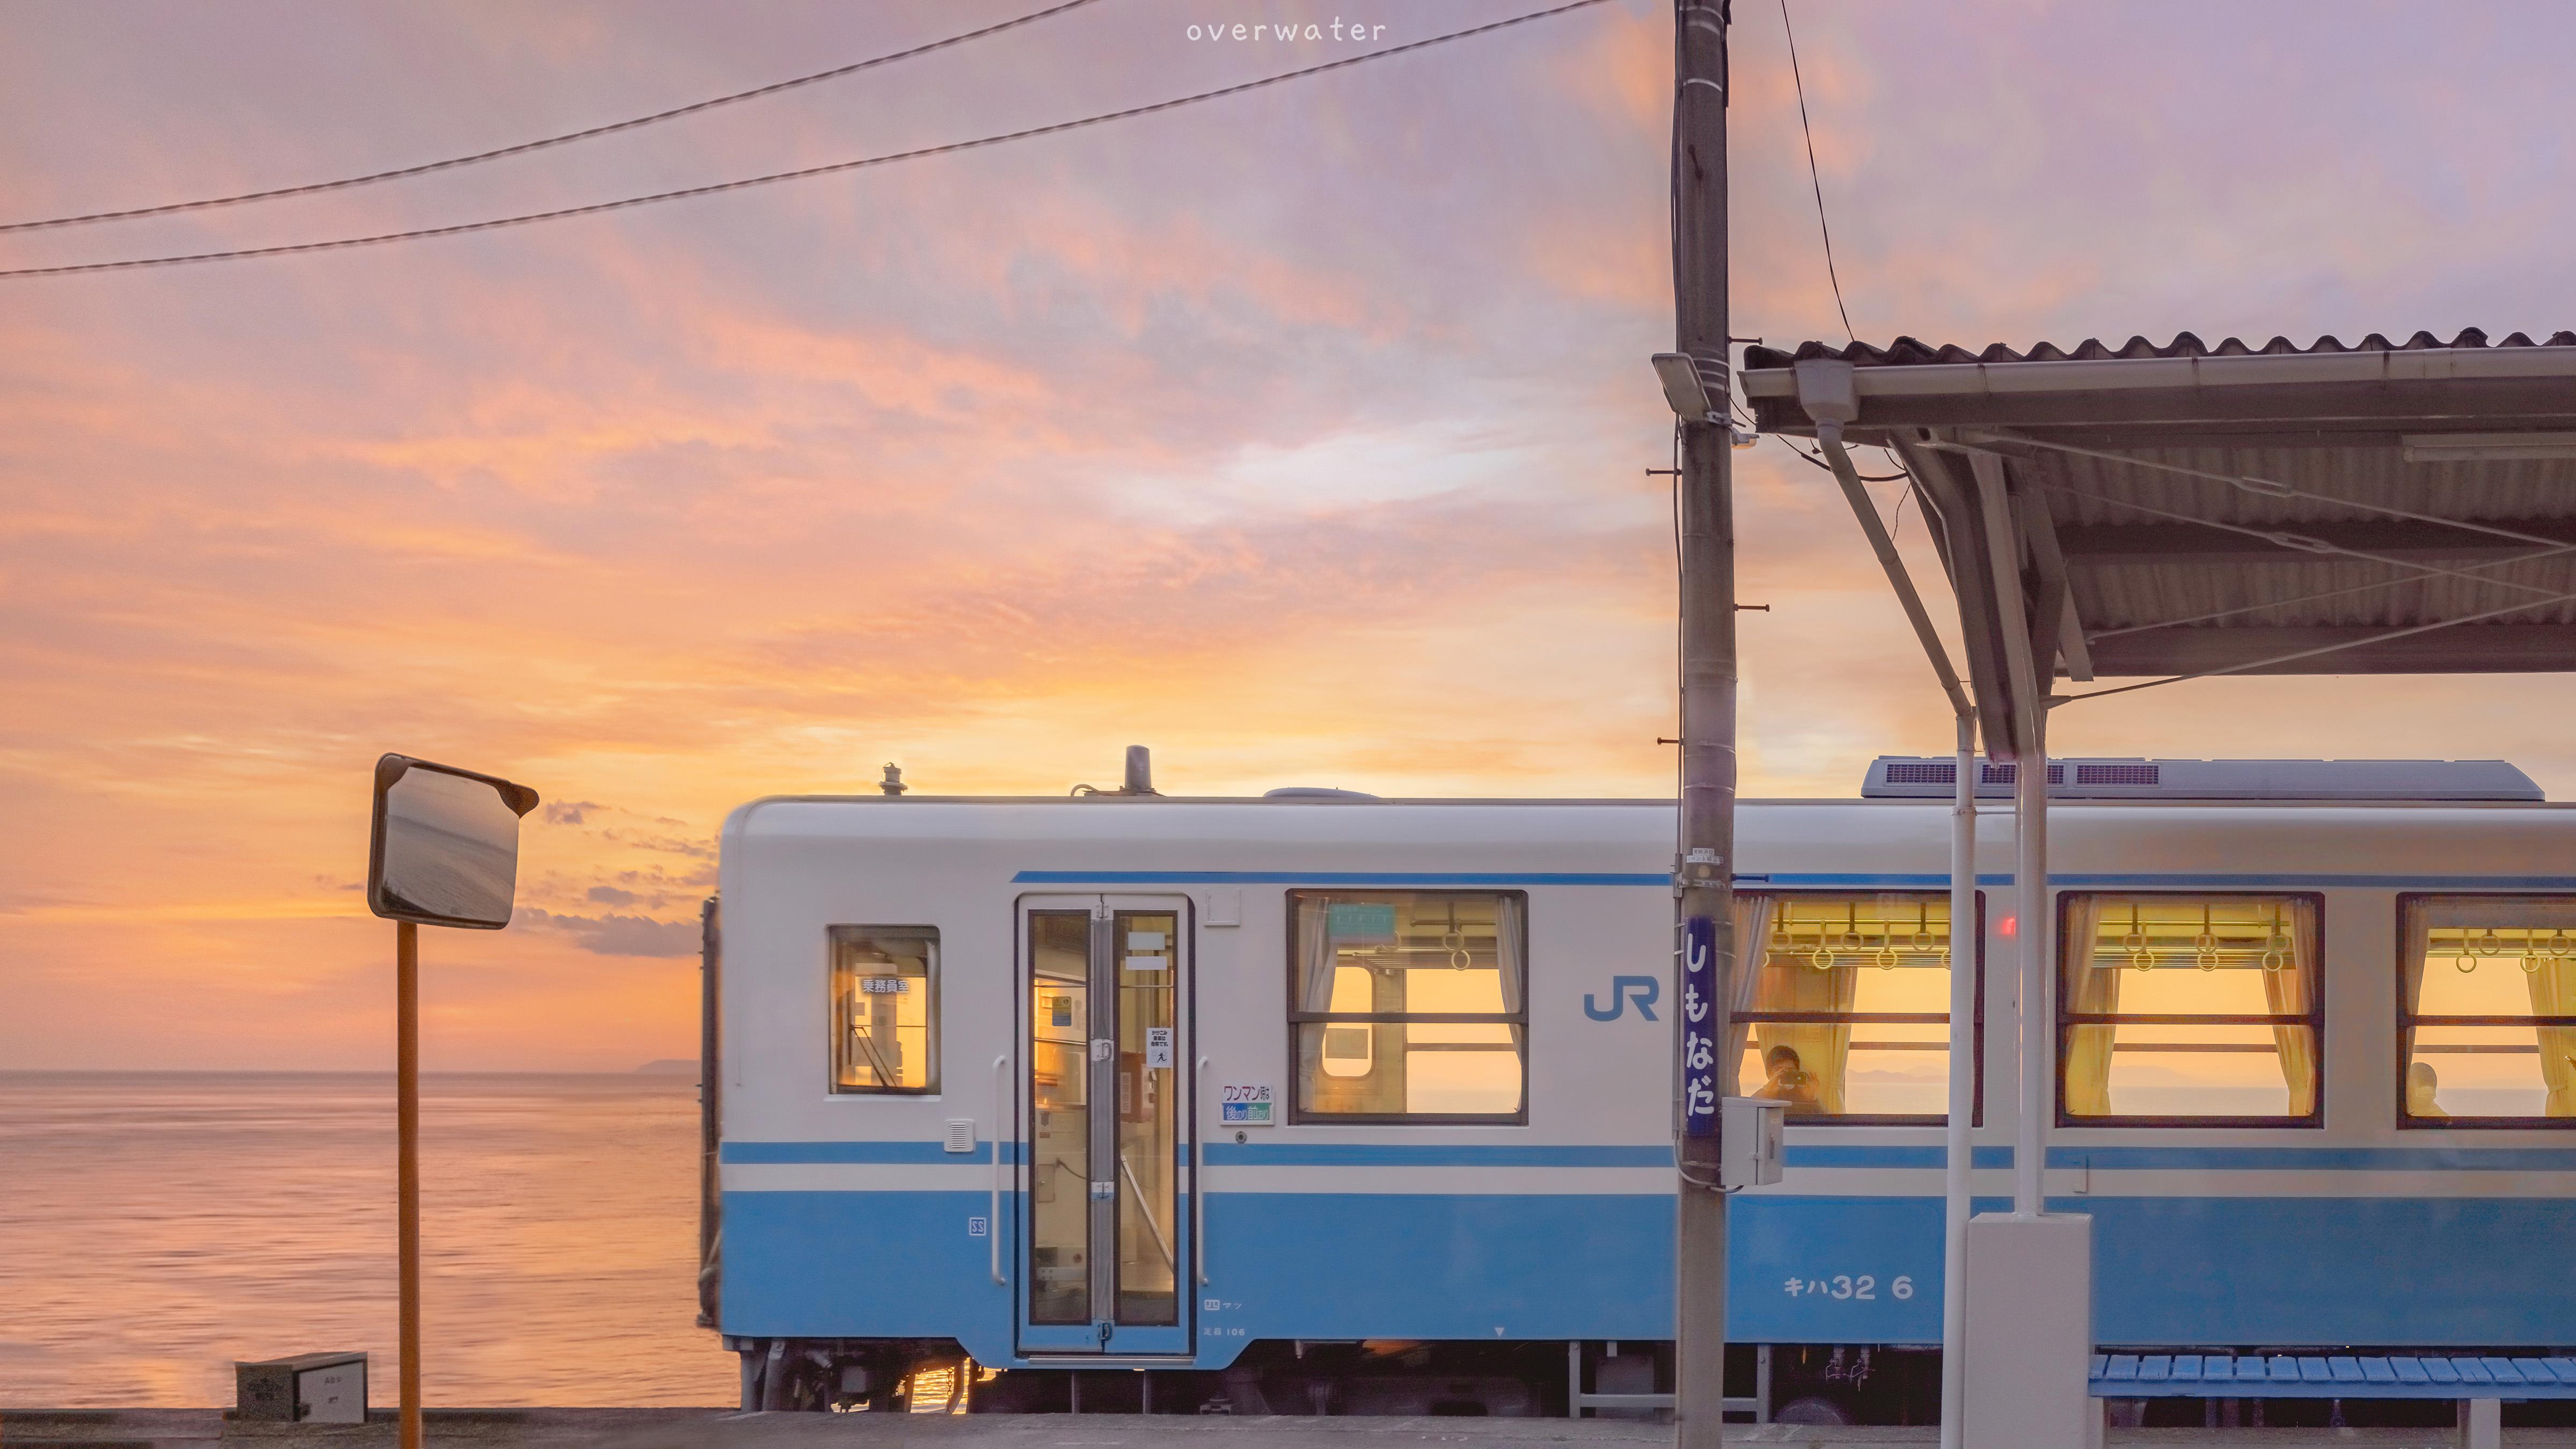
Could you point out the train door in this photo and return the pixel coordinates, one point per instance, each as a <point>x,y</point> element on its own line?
<point>1104,1082</point>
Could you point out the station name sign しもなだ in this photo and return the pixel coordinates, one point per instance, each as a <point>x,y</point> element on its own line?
<point>1700,1087</point>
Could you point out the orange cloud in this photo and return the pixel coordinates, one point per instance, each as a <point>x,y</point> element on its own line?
<point>1181,432</point>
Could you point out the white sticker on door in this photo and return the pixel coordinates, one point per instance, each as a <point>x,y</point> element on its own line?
<point>1158,1046</point>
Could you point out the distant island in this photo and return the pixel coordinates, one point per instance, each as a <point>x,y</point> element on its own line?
<point>665,1066</point>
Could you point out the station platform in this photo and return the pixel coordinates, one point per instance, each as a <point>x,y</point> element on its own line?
<point>726,1429</point>
<point>2337,1376</point>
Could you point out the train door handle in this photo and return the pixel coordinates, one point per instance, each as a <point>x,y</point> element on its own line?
<point>1198,1171</point>
<point>1001,1115</point>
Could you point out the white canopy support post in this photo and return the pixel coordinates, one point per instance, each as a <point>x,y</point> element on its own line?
<point>2030,836</point>
<point>2030,1299</point>
<point>1966,940</point>
<point>2030,903</point>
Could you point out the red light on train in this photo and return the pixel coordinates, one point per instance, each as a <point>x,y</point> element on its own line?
<point>2007,927</point>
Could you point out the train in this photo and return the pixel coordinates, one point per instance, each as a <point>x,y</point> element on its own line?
<point>1317,1102</point>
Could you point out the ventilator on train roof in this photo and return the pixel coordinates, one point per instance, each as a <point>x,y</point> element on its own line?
<point>1906,777</point>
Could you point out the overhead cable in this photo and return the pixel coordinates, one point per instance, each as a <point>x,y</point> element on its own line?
<point>803,173</point>
<point>2316,546</point>
<point>2266,487</point>
<point>1813,179</point>
<point>2376,586</point>
<point>2335,648</point>
<point>1818,462</point>
<point>524,147</point>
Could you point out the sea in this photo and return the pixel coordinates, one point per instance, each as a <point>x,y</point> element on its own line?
<point>157,1227</point>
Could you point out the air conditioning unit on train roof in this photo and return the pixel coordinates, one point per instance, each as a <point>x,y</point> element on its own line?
<point>1935,777</point>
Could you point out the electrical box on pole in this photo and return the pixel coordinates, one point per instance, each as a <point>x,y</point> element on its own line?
<point>1757,1132</point>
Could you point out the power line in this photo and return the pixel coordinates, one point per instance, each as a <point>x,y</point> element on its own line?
<point>524,147</point>
<point>1815,461</point>
<point>594,208</point>
<point>1812,179</point>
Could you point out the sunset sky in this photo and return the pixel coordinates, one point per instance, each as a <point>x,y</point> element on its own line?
<point>1300,435</point>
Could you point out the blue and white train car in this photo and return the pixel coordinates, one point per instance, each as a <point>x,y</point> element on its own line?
<point>1327,1102</point>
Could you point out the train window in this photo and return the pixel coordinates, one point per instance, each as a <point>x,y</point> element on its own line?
<point>885,1009</point>
<point>2189,1009</point>
<point>1407,1006</point>
<point>1845,1012</point>
<point>2487,1011</point>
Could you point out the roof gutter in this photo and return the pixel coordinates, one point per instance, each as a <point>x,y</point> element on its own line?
<point>2022,379</point>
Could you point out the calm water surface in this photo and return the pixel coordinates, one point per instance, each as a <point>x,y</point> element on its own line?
<point>154,1228</point>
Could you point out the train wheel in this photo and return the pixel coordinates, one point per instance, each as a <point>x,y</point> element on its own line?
<point>1814,1410</point>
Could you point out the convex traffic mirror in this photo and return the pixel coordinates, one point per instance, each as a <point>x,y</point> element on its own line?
<point>445,845</point>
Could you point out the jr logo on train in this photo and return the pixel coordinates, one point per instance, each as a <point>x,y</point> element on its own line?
<point>1623,990</point>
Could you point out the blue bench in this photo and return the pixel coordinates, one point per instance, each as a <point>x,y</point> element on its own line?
<point>2479,1382</point>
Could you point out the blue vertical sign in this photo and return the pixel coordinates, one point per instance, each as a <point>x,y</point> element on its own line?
<point>1699,1027</point>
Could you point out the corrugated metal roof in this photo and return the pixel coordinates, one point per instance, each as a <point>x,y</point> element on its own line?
<point>2123,578</point>
<point>2186,509</point>
<point>1913,352</point>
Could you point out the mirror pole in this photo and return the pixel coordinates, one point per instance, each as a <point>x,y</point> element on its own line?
<point>407,1169</point>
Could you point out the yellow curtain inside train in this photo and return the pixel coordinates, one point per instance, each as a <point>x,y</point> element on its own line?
<point>2553,993</point>
<point>2484,976</point>
<point>2175,1000</point>
<point>2088,1048</point>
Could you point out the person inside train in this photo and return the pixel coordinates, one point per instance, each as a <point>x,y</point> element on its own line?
<point>2421,1083</point>
<point>1790,1081</point>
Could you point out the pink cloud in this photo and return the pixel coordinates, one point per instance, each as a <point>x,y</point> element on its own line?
<point>1317,421</point>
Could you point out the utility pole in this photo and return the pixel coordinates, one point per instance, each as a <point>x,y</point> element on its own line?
<point>1704,872</point>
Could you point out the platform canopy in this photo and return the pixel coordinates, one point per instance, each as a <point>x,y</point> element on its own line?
<point>2184,510</point>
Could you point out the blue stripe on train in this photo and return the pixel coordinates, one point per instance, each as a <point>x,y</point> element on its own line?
<point>1342,877</point>
<point>2311,1159</point>
<point>2070,880</point>
<point>1372,1154</point>
<point>2400,1271</point>
<point>2177,1272</point>
<point>863,1152</point>
<point>1273,1154</point>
